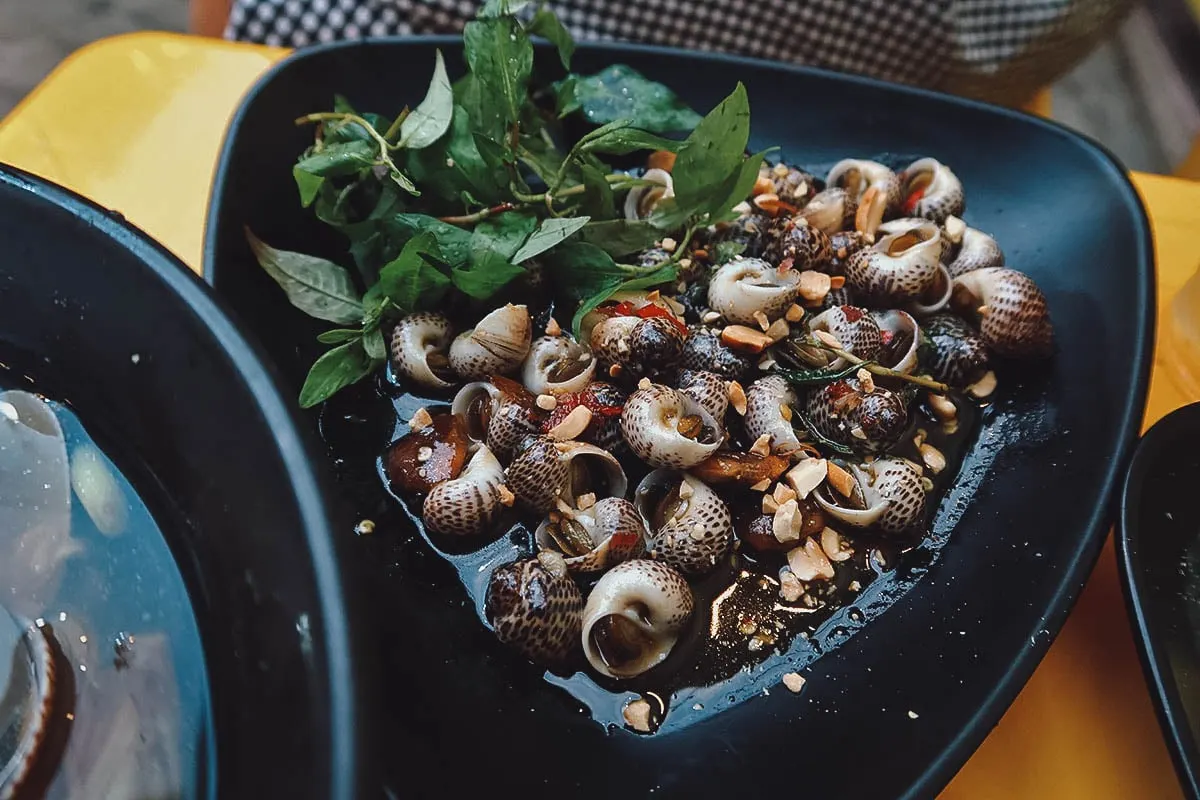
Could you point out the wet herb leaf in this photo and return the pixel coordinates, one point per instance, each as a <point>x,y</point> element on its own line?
<point>335,370</point>
<point>546,25</point>
<point>411,281</point>
<point>664,274</point>
<point>317,287</point>
<point>500,57</point>
<point>343,158</point>
<point>620,237</point>
<point>712,161</point>
<point>488,273</point>
<point>339,336</point>
<point>374,345</point>
<point>550,233</point>
<point>598,202</point>
<point>308,184</point>
<point>621,92</point>
<point>428,121</point>
<point>817,377</point>
<point>503,234</point>
<point>724,252</point>
<point>808,429</point>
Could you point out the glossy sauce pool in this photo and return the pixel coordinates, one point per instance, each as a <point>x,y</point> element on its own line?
<point>133,718</point>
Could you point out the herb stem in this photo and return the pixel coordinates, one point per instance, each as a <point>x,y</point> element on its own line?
<point>327,116</point>
<point>526,200</point>
<point>394,128</point>
<point>882,371</point>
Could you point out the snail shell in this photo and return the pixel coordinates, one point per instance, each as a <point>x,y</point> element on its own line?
<point>33,685</point>
<point>843,412</point>
<point>960,356</point>
<point>794,244</point>
<point>854,328</point>
<point>1013,318</point>
<point>900,267</point>
<point>605,401</point>
<point>500,413</point>
<point>748,230</point>
<point>977,251</point>
<point>636,345</point>
<point>642,200</point>
<point>418,348</point>
<point>691,528</point>
<point>469,504</point>
<point>495,346</point>
<point>557,364</point>
<point>887,494</point>
<point>900,337</point>
<point>844,244</point>
<point>706,388</point>
<point>831,210</point>
<point>931,190</point>
<point>857,175</point>
<point>667,428</point>
<point>546,471</point>
<point>536,607</point>
<point>744,286</point>
<point>596,538</point>
<point>766,399</point>
<point>634,616</point>
<point>791,185</point>
<point>703,350</point>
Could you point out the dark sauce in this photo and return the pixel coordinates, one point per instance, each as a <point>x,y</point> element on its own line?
<point>134,717</point>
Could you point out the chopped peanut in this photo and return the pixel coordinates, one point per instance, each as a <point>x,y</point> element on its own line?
<point>783,493</point>
<point>984,386</point>
<point>762,445</point>
<point>644,383</point>
<point>553,328</point>
<point>943,407</point>
<point>763,185</point>
<point>828,339</point>
<point>420,419</point>
<point>739,337</point>
<point>787,522</point>
<point>790,588</point>
<point>778,330</point>
<point>763,321</point>
<point>638,716</point>
<point>814,285</point>
<point>834,546</point>
<point>794,313</point>
<point>762,485</point>
<point>954,228</point>
<point>807,475</point>
<point>737,397</point>
<point>572,425</point>
<point>685,490</point>
<point>865,380</point>
<point>810,562</point>
<point>586,501</point>
<point>837,281</point>
<point>547,402</point>
<point>769,506</point>
<point>933,458</point>
<point>794,681</point>
<point>840,480</point>
<point>507,498</point>
<point>710,316</point>
<point>669,244</point>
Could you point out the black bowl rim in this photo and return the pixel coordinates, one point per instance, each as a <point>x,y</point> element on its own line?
<point>1168,707</point>
<point>296,452</point>
<point>943,767</point>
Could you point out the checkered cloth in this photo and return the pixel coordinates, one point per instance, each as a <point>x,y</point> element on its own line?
<point>1004,50</point>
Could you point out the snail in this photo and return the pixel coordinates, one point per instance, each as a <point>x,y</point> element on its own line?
<point>857,175</point>
<point>960,356</point>
<point>500,413</point>
<point>886,493</point>
<point>667,428</point>
<point>691,528</point>
<point>791,185</point>
<point>830,211</point>
<point>900,338</point>
<point>1013,318</point>
<point>495,346</point>
<point>749,230</point>
<point>595,538</point>
<point>637,345</point>
<point>642,200</point>
<point>469,504</point>
<point>703,350</point>
<point>707,389</point>
<point>33,687</point>
<point>535,607</point>
<point>855,329</point>
<point>745,286</point>
<point>604,401</point>
<point>769,402</point>
<point>545,471</point>
<point>794,244</point>
<point>634,616</point>
<point>931,190</point>
<point>418,349</point>
<point>842,245</point>
<point>557,364</point>
<point>977,250</point>
<point>899,268</point>
<point>845,412</point>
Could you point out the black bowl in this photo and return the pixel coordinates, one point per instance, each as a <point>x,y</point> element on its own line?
<point>81,292</point>
<point>960,635</point>
<point>1159,556</point>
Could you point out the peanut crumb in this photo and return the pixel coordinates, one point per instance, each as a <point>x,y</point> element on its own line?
<point>364,528</point>
<point>778,330</point>
<point>685,490</point>
<point>553,328</point>
<point>933,458</point>
<point>814,285</point>
<point>669,244</point>
<point>854,585</point>
<point>710,316</point>
<point>507,498</point>
<point>586,501</point>
<point>763,321</point>
<point>794,313</point>
<point>644,383</point>
<point>866,380</point>
<point>828,339</point>
<point>835,547</point>
<point>787,521</point>
<point>572,425</point>
<point>737,397</point>
<point>614,371</point>
<point>638,716</point>
<point>420,419</point>
<point>740,337</point>
<point>547,402</point>
<point>954,228</point>
<point>806,476</point>
<point>794,681</point>
<point>762,185</point>
<point>655,295</point>
<point>769,506</point>
<point>783,493</point>
<point>761,486</point>
<point>841,480</point>
<point>790,587</point>
<point>762,445</point>
<point>766,363</point>
<point>837,281</point>
<point>943,407</point>
<point>984,386</point>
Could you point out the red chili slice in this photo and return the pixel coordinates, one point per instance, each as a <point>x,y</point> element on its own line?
<point>852,313</point>
<point>652,310</point>
<point>910,203</point>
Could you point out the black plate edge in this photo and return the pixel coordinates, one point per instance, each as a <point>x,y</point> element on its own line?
<point>296,449</point>
<point>1167,706</point>
<point>940,772</point>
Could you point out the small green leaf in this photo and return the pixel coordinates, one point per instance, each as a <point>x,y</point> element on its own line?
<point>549,234</point>
<point>565,101</point>
<point>816,377</point>
<point>374,345</point>
<point>548,26</point>
<point>724,252</point>
<point>620,237</point>
<point>428,121</point>
<point>598,202</point>
<point>489,273</point>
<point>308,184</point>
<point>339,335</point>
<point>343,158</point>
<point>410,280</point>
<point>581,269</point>
<point>628,140</point>
<point>621,92</point>
<point>317,287</point>
<point>542,158</point>
<point>661,275</point>
<point>712,152</point>
<point>335,370</point>
<point>502,234</point>
<point>500,57</point>
<point>735,189</point>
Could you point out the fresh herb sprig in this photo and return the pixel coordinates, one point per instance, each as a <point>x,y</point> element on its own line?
<point>453,200</point>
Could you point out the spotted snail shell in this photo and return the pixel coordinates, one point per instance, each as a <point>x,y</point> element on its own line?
<point>888,495</point>
<point>899,268</point>
<point>931,190</point>
<point>418,349</point>
<point>844,412</point>
<point>766,401</point>
<point>706,388</point>
<point>634,616</point>
<point>495,346</point>
<point>960,356</point>
<point>536,607</point>
<point>691,528</point>
<point>546,471</point>
<point>831,210</point>
<point>556,365</point>
<point>794,244</point>
<point>469,504</point>
<point>636,345</point>
<point>667,428</point>
<point>703,350</point>
<point>857,175</point>
<point>854,328</point>
<point>1013,318</point>
<point>642,200</point>
<point>596,538</point>
<point>499,412</point>
<point>744,286</point>
<point>977,250</point>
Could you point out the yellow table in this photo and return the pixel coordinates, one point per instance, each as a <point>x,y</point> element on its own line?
<point>135,123</point>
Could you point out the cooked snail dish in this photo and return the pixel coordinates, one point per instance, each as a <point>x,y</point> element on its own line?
<point>711,397</point>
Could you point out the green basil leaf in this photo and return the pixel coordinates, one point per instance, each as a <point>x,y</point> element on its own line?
<point>410,280</point>
<point>606,290</point>
<point>712,152</point>
<point>620,237</point>
<point>428,121</point>
<point>339,336</point>
<point>735,189</point>
<point>724,252</point>
<point>550,233</point>
<point>565,101</point>
<point>502,234</point>
<point>500,58</point>
<point>335,370</point>
<point>342,158</point>
<point>661,275</point>
<point>816,377</point>
<point>548,26</point>
<point>628,140</point>
<point>489,273</point>
<point>581,269</point>
<point>621,92</point>
<point>341,105</point>
<point>374,345</point>
<point>493,153</point>
<point>317,287</point>
<point>598,202</point>
<point>308,184</point>
<point>483,110</point>
<point>541,157</point>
